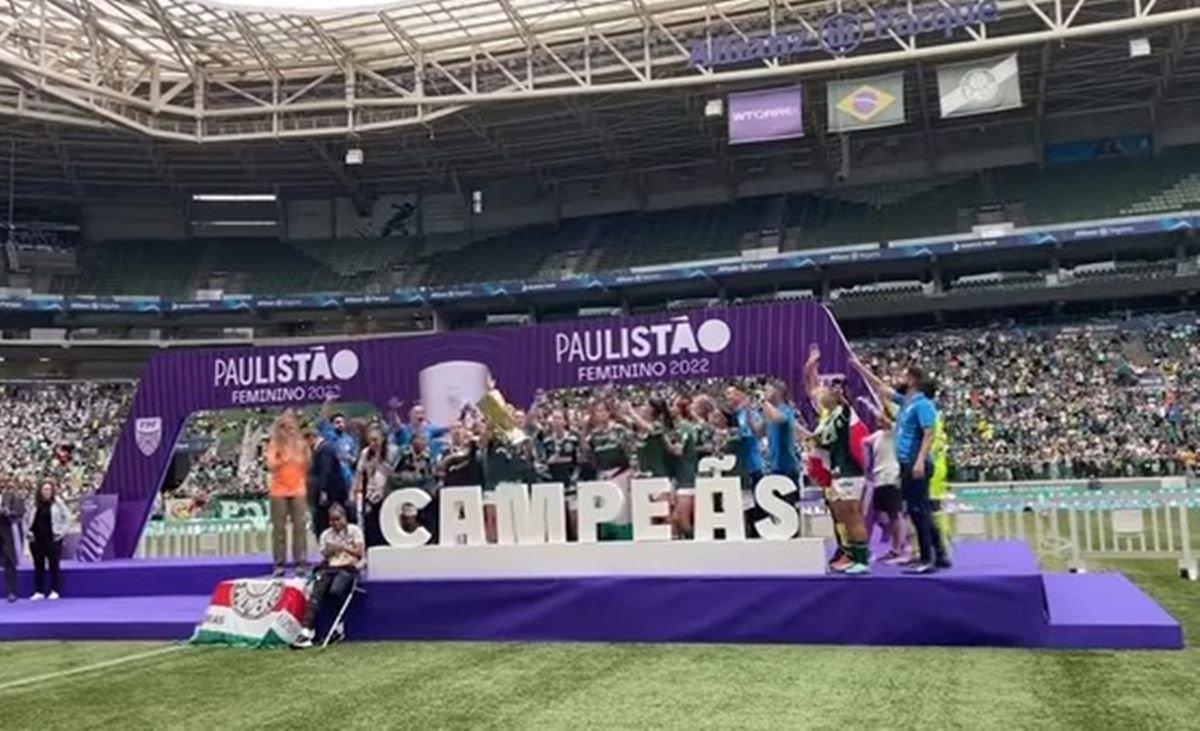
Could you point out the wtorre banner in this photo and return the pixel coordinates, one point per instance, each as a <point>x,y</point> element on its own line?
<point>767,115</point>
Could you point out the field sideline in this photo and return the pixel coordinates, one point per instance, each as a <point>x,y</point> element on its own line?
<point>613,686</point>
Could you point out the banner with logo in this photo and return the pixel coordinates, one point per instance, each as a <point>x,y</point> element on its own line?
<point>980,87</point>
<point>764,116</point>
<point>186,508</point>
<point>713,343</point>
<point>179,508</point>
<point>98,522</point>
<point>857,104</point>
<point>254,613</point>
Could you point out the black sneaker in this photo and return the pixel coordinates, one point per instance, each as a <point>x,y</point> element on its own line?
<point>943,563</point>
<point>921,570</point>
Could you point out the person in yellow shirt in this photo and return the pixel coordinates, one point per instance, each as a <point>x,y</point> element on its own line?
<point>939,482</point>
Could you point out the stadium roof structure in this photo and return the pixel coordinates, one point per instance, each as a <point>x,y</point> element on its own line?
<point>100,93</point>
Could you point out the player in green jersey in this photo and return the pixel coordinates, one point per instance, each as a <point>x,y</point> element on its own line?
<point>844,495</point>
<point>609,448</point>
<point>685,447</point>
<point>652,424</point>
<point>559,450</point>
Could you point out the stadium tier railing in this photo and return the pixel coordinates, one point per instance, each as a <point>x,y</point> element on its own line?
<point>205,537</point>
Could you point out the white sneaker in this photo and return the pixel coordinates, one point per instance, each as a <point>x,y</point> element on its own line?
<point>305,639</point>
<point>53,596</point>
<point>37,596</point>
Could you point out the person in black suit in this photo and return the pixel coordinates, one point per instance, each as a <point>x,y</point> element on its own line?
<point>326,481</point>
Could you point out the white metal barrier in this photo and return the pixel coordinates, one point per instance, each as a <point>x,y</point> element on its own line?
<point>213,537</point>
<point>1072,520</point>
<point>1104,524</point>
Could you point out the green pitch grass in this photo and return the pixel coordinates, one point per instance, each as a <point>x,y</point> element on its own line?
<point>503,686</point>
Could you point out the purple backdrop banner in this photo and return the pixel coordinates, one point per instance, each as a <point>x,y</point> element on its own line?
<point>767,339</point>
<point>762,116</point>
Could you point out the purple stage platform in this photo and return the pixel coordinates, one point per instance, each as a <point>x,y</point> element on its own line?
<point>165,617</point>
<point>150,577</point>
<point>995,596</point>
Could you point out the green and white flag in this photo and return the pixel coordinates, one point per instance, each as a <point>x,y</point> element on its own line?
<point>254,613</point>
<point>980,87</point>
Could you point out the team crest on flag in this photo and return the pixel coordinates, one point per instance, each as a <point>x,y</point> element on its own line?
<point>255,600</point>
<point>148,430</point>
<point>980,87</point>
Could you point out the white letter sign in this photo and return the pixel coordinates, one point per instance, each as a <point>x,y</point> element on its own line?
<point>599,502</point>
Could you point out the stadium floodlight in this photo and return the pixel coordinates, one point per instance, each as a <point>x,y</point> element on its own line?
<point>234,197</point>
<point>714,108</point>
<point>1139,47</point>
<point>230,223</point>
<point>354,156</point>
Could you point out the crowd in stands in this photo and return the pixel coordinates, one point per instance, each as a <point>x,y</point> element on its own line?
<point>1063,403</point>
<point>62,431</point>
<point>1020,403</point>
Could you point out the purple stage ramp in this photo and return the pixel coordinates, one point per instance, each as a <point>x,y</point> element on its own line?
<point>993,597</point>
<point>1107,611</point>
<point>134,618</point>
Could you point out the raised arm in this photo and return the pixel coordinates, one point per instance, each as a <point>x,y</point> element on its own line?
<point>812,377</point>
<point>327,408</point>
<point>881,388</point>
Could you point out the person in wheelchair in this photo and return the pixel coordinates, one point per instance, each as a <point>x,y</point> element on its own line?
<point>342,551</point>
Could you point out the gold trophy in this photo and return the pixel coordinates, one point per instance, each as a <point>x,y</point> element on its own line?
<point>499,416</point>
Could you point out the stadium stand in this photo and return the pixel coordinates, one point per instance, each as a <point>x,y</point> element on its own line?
<point>885,212</point>
<point>64,430</point>
<point>364,265</point>
<point>682,235</point>
<point>516,255</point>
<point>134,267</point>
<point>272,267</point>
